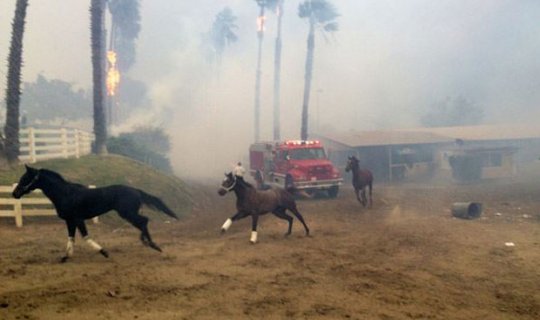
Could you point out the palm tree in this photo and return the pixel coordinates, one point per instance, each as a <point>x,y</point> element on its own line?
<point>260,36</point>
<point>263,4</point>
<point>97,28</point>
<point>277,71</point>
<point>320,14</point>
<point>222,33</point>
<point>124,31</point>
<point>13,92</point>
<point>126,25</point>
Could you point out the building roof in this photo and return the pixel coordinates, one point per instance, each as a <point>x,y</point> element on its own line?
<point>382,138</point>
<point>354,139</point>
<point>486,132</point>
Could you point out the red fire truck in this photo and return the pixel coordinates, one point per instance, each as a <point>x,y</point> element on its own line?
<point>298,163</point>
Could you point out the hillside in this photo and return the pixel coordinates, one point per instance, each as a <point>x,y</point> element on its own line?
<point>111,169</point>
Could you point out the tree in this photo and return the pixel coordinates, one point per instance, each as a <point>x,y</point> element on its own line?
<point>126,25</point>
<point>277,71</point>
<point>47,99</point>
<point>320,14</point>
<point>456,111</point>
<point>146,144</point>
<point>222,34</point>
<point>97,22</point>
<point>263,4</point>
<point>13,92</point>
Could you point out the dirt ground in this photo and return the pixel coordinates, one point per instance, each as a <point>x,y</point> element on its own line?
<point>406,258</point>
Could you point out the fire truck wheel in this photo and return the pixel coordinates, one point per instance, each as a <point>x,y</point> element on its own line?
<point>333,191</point>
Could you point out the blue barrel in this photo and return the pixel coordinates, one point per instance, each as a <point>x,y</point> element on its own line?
<point>467,210</point>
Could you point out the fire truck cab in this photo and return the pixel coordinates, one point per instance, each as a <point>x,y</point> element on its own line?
<point>298,163</point>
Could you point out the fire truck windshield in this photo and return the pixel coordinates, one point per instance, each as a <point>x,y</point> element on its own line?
<point>307,153</point>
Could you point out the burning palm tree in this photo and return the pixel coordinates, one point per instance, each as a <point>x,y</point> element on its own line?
<point>261,19</point>
<point>125,29</point>
<point>97,29</point>
<point>13,92</point>
<point>320,14</point>
<point>277,71</point>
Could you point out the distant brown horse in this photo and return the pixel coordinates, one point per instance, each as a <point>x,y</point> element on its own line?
<point>362,179</point>
<point>253,202</point>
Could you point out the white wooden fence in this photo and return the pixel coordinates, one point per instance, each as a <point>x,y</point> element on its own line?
<point>43,144</point>
<point>26,206</point>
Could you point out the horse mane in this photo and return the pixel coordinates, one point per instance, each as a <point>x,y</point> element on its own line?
<point>355,162</point>
<point>244,183</point>
<point>57,177</point>
<point>52,174</point>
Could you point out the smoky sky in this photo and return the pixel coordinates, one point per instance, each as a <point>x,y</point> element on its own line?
<point>389,61</point>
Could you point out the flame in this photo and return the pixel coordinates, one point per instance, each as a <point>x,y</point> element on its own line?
<point>113,75</point>
<point>260,23</point>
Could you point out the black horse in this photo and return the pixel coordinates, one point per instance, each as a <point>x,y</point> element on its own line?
<point>75,203</point>
<point>361,180</point>
<point>253,202</point>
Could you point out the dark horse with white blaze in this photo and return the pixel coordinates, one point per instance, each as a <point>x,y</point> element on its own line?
<point>253,202</point>
<point>361,179</point>
<point>75,203</point>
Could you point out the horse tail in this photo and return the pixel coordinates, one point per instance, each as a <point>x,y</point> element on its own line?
<point>156,203</point>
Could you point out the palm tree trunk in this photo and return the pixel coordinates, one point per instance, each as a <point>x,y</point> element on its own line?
<point>307,78</point>
<point>277,74</point>
<point>257,113</point>
<point>13,92</point>
<point>97,22</point>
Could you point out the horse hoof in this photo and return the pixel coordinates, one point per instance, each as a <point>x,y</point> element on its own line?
<point>223,230</point>
<point>155,246</point>
<point>252,242</point>
<point>64,259</point>
<point>104,253</point>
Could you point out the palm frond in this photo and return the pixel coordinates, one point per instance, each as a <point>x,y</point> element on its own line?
<point>304,9</point>
<point>322,10</point>
<point>331,27</point>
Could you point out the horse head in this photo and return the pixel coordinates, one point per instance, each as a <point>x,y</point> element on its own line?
<point>27,182</point>
<point>228,184</point>
<point>352,163</point>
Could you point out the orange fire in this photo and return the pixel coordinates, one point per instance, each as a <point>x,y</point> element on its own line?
<point>113,75</point>
<point>260,23</point>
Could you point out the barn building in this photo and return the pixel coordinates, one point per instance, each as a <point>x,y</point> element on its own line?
<point>460,153</point>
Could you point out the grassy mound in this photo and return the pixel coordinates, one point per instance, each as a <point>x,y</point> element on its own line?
<point>111,169</point>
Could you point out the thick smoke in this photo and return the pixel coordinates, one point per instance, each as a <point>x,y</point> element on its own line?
<point>389,62</point>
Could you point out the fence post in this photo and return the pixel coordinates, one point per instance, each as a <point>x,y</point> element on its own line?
<point>17,207</point>
<point>77,144</point>
<point>94,219</point>
<point>18,214</point>
<point>64,142</point>
<point>32,145</point>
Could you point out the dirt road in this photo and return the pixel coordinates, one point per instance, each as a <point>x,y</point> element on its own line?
<point>406,258</point>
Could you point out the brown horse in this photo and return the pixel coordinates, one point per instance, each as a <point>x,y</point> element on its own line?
<point>253,202</point>
<point>362,179</point>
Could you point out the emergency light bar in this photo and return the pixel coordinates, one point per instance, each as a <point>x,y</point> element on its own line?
<point>301,142</point>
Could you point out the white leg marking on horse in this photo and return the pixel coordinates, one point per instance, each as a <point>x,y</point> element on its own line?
<point>92,243</point>
<point>227,225</point>
<point>69,247</point>
<point>253,237</point>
